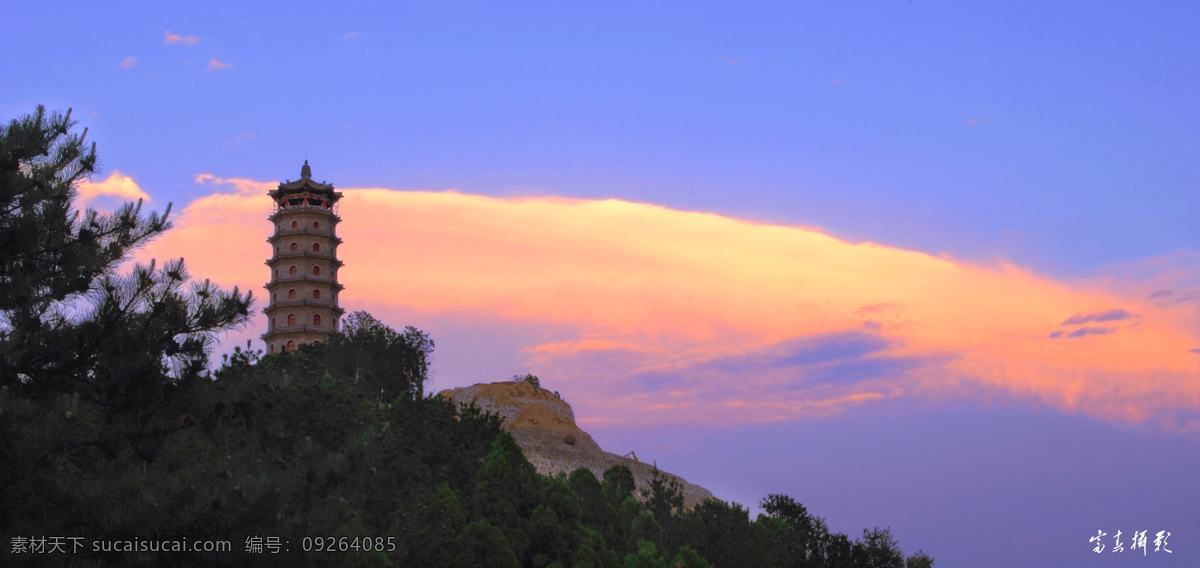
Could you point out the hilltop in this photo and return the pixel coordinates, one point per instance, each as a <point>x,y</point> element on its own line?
<point>543,424</point>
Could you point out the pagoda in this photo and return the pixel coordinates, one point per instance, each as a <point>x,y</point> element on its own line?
<point>303,291</point>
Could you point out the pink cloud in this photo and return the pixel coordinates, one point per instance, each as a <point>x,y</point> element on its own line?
<point>170,38</point>
<point>215,65</point>
<point>240,139</point>
<point>129,63</point>
<point>639,313</point>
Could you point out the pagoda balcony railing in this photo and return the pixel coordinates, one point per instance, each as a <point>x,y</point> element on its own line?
<point>303,208</point>
<point>288,254</point>
<point>302,327</point>
<point>304,278</point>
<point>318,302</point>
<point>304,231</point>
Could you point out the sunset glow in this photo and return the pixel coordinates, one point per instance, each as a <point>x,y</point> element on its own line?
<point>681,316</point>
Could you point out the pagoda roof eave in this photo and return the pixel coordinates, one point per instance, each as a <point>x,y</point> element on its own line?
<point>301,185</point>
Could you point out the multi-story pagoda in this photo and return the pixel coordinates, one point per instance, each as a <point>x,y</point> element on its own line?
<point>303,291</point>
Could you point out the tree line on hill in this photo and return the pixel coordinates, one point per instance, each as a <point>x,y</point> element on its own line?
<point>112,429</point>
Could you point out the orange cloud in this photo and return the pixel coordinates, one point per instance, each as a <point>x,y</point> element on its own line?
<point>129,63</point>
<point>659,315</point>
<point>116,189</point>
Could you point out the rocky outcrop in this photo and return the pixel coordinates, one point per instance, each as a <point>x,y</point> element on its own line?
<point>544,426</point>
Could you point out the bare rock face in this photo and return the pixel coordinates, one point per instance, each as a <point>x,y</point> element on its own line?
<point>544,426</point>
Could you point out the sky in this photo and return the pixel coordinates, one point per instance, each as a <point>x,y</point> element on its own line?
<point>919,265</point>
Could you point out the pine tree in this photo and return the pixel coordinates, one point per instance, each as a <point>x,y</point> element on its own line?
<point>90,360</point>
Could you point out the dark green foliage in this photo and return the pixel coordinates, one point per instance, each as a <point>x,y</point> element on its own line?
<point>378,358</point>
<point>722,533</point>
<point>664,501</point>
<point>528,378</point>
<point>879,549</point>
<point>688,558</point>
<point>482,544</point>
<point>919,560</point>
<point>647,555</point>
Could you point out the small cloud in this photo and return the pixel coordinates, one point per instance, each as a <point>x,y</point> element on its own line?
<point>1196,350</point>
<point>116,185</point>
<point>979,120</point>
<point>170,38</point>
<point>243,187</point>
<point>215,65</point>
<point>350,36</point>
<point>1169,297</point>
<point>1110,315</point>
<point>1084,331</point>
<point>1056,334</point>
<point>129,63</point>
<point>733,61</point>
<point>838,81</point>
<point>240,139</point>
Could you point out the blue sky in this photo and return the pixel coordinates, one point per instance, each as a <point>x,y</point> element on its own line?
<point>849,116</point>
<point>1057,138</point>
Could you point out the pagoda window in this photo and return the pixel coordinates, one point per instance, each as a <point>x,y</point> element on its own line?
<point>272,323</point>
<point>316,247</point>
<point>291,294</point>
<point>277,273</point>
<point>294,247</point>
<point>271,348</point>
<point>316,294</point>
<point>317,319</point>
<point>316,224</point>
<point>316,270</point>
<point>291,319</point>
<point>274,297</point>
<point>295,224</point>
<point>291,346</point>
<point>293,270</point>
